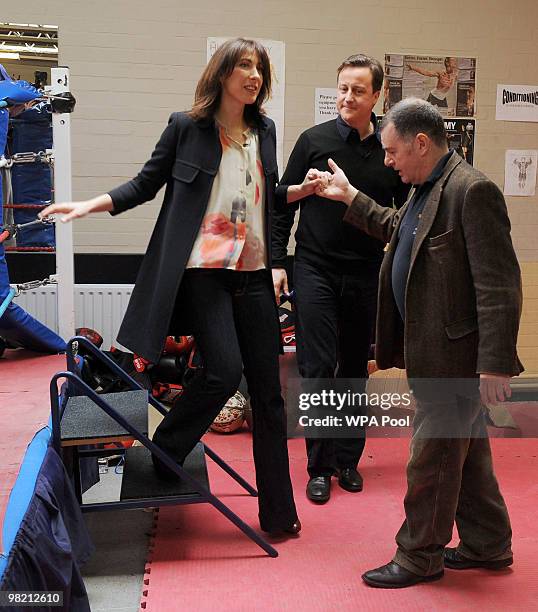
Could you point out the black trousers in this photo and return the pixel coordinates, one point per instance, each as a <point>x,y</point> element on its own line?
<point>335,319</point>
<point>235,325</point>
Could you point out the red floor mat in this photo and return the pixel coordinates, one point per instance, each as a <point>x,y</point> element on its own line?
<point>199,561</point>
<point>25,408</point>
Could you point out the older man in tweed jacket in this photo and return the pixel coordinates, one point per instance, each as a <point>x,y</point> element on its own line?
<point>449,310</point>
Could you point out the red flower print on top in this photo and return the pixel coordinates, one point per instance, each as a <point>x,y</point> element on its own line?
<point>221,239</point>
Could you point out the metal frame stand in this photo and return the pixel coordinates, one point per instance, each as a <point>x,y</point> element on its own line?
<point>76,386</point>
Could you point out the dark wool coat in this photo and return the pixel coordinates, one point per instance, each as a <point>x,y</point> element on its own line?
<point>463,297</point>
<point>186,160</point>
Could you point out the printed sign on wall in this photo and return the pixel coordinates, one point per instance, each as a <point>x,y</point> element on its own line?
<point>325,105</point>
<point>517,103</point>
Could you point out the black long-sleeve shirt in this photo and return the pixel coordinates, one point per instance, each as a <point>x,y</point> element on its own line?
<point>322,237</point>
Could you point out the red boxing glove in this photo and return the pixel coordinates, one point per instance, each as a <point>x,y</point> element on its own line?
<point>91,335</point>
<point>177,345</point>
<point>140,363</point>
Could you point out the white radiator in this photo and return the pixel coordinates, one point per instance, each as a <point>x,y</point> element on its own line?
<point>100,307</point>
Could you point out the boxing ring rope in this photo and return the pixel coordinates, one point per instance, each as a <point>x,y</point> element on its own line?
<point>40,206</point>
<point>10,231</point>
<point>30,249</point>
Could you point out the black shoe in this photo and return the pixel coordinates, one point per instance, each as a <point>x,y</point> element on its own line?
<point>394,576</point>
<point>318,489</point>
<point>293,529</point>
<point>455,560</point>
<point>350,480</point>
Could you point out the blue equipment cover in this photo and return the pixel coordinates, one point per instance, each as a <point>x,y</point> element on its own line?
<point>16,92</point>
<point>32,183</point>
<point>51,542</point>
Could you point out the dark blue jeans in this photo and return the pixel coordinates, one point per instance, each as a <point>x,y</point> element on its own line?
<point>235,325</point>
<point>335,315</point>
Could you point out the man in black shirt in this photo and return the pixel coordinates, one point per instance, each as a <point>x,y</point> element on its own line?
<point>336,265</point>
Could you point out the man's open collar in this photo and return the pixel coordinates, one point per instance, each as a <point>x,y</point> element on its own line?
<point>344,129</point>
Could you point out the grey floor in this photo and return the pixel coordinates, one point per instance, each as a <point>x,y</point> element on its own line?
<point>114,574</point>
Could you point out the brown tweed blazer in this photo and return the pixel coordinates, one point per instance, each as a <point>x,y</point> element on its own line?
<point>463,297</point>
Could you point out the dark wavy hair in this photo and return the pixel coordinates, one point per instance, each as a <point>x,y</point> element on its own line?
<point>209,89</point>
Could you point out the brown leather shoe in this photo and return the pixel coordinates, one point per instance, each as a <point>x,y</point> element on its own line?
<point>455,560</point>
<point>394,576</point>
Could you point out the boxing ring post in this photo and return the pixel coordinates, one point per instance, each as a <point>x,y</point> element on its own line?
<point>61,130</point>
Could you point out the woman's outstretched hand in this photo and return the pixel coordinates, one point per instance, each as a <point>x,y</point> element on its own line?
<point>77,210</point>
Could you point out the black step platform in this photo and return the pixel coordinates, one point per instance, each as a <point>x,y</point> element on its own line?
<point>140,481</point>
<point>85,420</point>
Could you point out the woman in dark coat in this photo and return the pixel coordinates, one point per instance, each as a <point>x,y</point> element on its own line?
<point>206,271</point>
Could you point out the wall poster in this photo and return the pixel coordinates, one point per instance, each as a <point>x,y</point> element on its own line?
<point>445,82</point>
<point>520,172</point>
<point>460,135</point>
